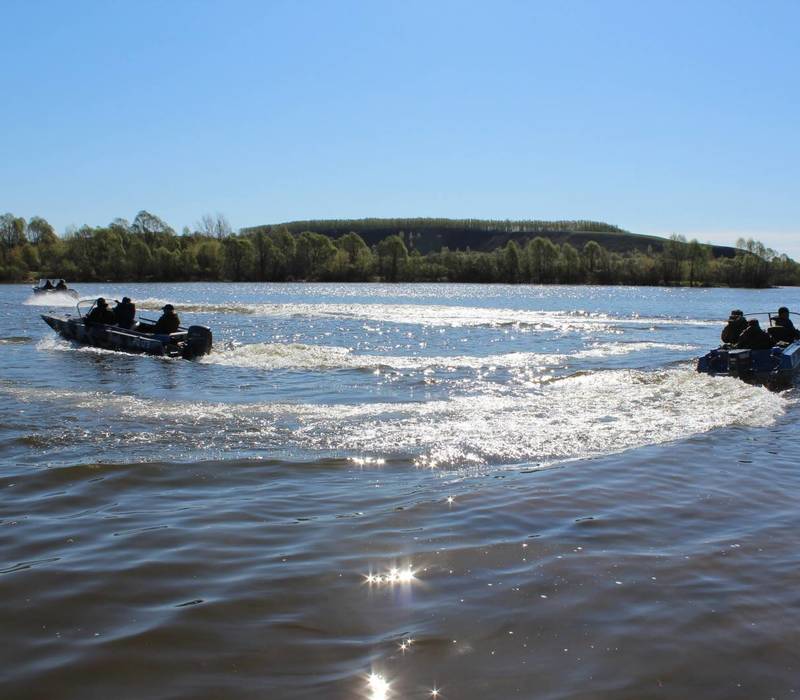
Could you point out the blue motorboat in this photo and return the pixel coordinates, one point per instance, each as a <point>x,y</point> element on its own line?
<point>188,343</point>
<point>776,366</point>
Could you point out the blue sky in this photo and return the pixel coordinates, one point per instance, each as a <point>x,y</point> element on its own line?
<point>660,117</point>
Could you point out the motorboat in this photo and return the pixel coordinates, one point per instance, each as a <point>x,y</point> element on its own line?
<point>50,285</point>
<point>776,366</point>
<point>188,343</point>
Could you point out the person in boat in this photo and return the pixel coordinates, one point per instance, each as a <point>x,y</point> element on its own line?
<point>754,337</point>
<point>101,314</point>
<point>61,286</point>
<point>169,321</point>
<point>125,313</point>
<point>48,285</point>
<point>736,325</point>
<point>789,333</point>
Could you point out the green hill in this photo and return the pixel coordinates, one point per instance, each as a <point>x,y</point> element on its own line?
<point>431,235</point>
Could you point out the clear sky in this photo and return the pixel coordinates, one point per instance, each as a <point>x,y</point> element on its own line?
<point>660,117</point>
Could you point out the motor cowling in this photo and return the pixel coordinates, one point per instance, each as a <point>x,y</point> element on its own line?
<point>198,341</point>
<point>741,362</point>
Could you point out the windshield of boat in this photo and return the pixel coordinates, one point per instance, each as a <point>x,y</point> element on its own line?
<point>90,302</point>
<point>770,316</point>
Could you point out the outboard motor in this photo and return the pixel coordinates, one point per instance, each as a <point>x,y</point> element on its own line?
<point>740,363</point>
<point>198,341</point>
<point>714,362</point>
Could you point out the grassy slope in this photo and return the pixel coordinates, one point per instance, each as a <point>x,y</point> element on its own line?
<point>428,235</point>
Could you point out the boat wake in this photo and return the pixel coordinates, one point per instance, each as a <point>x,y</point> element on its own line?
<point>300,356</point>
<point>279,356</point>
<point>52,299</point>
<point>50,343</point>
<point>436,315</point>
<point>584,415</point>
<point>15,340</point>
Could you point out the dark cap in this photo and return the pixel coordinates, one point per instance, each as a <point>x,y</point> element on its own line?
<point>783,310</point>
<point>737,312</point>
<point>101,302</point>
<point>126,300</point>
<point>168,307</point>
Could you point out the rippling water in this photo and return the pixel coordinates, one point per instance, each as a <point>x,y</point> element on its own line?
<point>377,491</point>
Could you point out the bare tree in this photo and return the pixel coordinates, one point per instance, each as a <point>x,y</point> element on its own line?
<point>214,226</point>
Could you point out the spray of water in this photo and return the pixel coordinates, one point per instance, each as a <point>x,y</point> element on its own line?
<point>579,416</point>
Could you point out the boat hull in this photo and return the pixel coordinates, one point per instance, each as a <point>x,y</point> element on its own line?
<point>52,292</point>
<point>191,343</point>
<point>775,367</point>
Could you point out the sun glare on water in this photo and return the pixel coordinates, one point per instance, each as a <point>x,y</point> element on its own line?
<point>378,687</point>
<point>393,575</point>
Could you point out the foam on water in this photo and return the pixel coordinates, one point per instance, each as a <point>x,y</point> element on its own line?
<point>275,356</point>
<point>436,315</point>
<point>575,417</point>
<point>611,349</point>
<point>57,343</point>
<point>301,356</point>
<point>155,304</point>
<point>15,340</point>
<point>52,299</point>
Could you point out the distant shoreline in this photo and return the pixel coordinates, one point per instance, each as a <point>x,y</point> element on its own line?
<point>31,283</point>
<point>384,250</point>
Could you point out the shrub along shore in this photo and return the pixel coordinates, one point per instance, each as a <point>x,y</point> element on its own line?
<point>389,250</point>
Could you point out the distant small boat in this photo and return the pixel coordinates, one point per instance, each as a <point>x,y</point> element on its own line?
<point>775,367</point>
<point>188,343</point>
<point>48,285</point>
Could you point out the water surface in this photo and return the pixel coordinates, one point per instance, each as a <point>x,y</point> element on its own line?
<point>373,491</point>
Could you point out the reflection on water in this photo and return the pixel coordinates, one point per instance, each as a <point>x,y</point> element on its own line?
<point>378,687</point>
<point>391,576</point>
<point>346,499</point>
<point>481,423</point>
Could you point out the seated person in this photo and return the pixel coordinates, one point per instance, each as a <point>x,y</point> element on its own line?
<point>61,286</point>
<point>47,285</point>
<point>736,324</point>
<point>168,323</point>
<point>100,313</point>
<point>125,312</point>
<point>783,329</point>
<point>754,337</point>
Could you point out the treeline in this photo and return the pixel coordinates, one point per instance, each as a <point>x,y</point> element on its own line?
<point>432,234</point>
<point>361,226</point>
<point>149,249</point>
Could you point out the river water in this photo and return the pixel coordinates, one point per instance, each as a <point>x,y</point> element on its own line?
<point>398,491</point>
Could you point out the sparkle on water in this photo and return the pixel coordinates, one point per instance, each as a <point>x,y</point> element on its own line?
<point>405,645</point>
<point>392,576</point>
<point>378,687</point>
<point>578,384</point>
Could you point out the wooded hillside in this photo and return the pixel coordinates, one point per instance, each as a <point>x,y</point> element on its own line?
<point>375,250</point>
<point>429,235</point>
